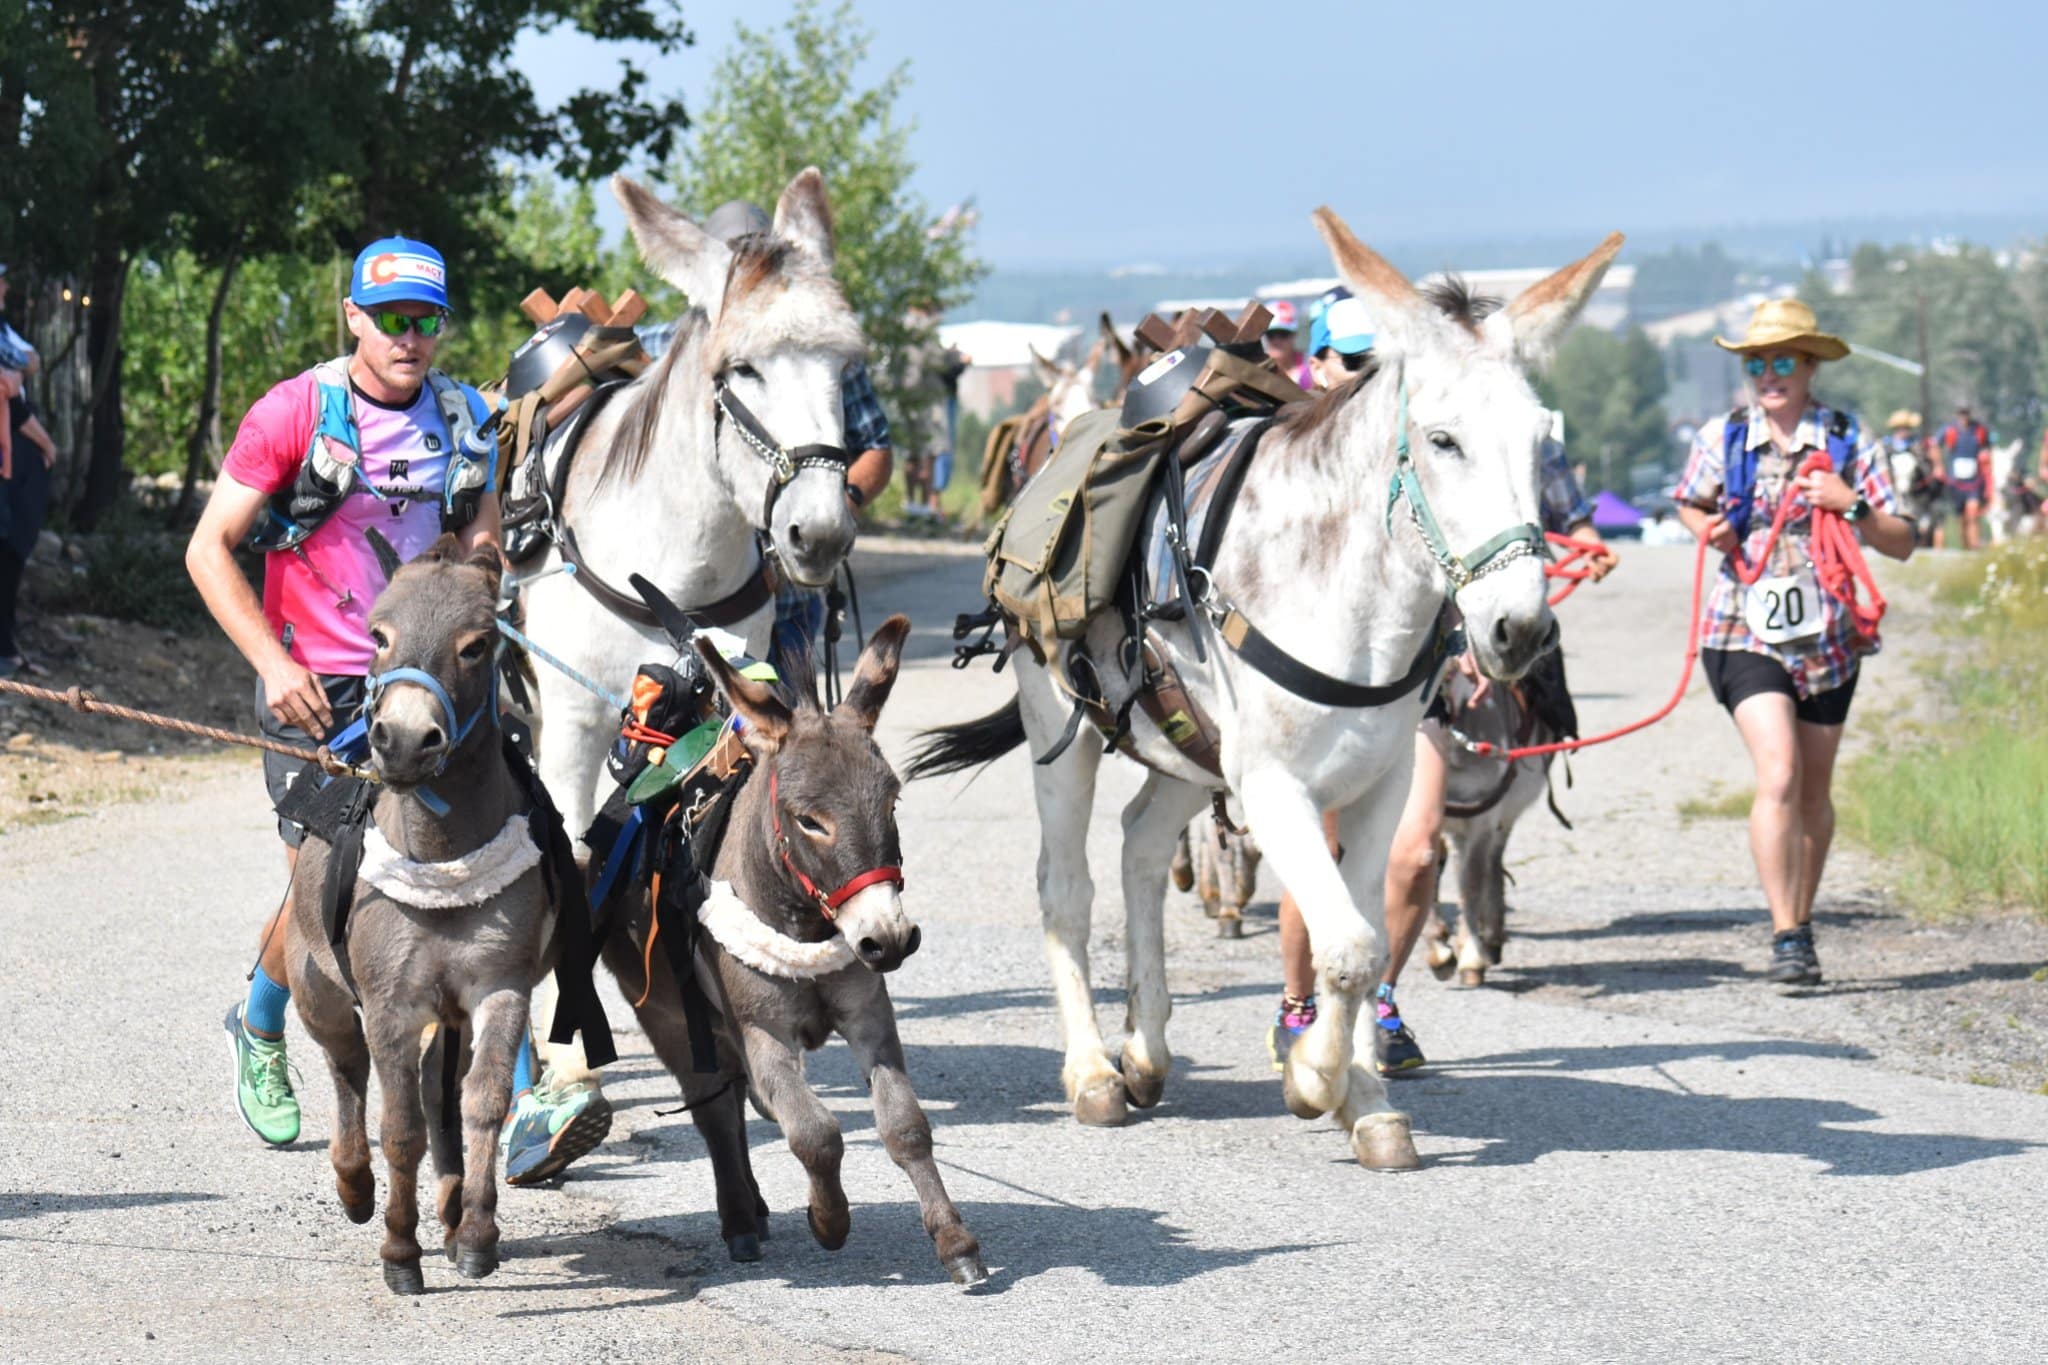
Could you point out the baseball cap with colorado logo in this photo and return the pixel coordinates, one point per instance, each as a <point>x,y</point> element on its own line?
<point>393,269</point>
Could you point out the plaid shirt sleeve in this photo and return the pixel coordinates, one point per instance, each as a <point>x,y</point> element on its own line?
<point>1871,477</point>
<point>867,426</point>
<point>1564,504</point>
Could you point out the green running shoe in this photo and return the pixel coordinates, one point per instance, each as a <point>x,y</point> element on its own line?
<point>263,1085</point>
<point>552,1125</point>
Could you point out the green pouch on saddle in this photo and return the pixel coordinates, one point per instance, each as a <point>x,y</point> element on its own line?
<point>1056,558</point>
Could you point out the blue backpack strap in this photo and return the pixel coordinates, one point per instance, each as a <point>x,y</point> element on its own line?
<point>295,513</point>
<point>1738,475</point>
<point>472,469</point>
<point>1842,441</point>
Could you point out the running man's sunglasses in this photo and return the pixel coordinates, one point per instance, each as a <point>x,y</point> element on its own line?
<point>1779,365</point>
<point>395,324</point>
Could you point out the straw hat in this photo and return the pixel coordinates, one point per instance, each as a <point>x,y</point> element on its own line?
<point>1902,417</point>
<point>1786,325</point>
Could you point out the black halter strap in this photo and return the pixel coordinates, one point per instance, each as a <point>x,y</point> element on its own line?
<point>784,465</point>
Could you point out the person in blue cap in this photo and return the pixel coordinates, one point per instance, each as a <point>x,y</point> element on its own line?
<point>375,438</point>
<point>1340,336</point>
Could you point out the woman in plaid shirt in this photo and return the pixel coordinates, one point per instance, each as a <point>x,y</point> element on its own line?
<point>1782,655</point>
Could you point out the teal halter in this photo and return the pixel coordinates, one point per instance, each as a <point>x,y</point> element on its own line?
<point>1517,542</point>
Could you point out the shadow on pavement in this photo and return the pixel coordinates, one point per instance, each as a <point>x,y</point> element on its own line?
<point>37,1205</point>
<point>1526,1115</point>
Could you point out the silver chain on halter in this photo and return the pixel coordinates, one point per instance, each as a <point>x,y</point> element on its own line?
<point>778,459</point>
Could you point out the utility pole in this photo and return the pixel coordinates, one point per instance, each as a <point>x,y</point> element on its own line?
<point>1926,383</point>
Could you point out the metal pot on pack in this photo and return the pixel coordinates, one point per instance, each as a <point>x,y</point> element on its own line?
<point>545,352</point>
<point>1160,386</point>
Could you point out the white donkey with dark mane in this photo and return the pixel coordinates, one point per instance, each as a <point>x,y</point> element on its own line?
<point>1363,518</point>
<point>671,483</point>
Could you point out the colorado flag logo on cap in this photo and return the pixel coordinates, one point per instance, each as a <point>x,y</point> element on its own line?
<point>397,268</point>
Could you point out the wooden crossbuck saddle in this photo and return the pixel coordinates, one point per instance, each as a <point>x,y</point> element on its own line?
<point>1125,518</point>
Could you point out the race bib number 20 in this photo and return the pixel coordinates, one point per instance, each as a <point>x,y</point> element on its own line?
<point>1782,610</point>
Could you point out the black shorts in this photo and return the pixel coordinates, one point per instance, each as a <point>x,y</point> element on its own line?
<point>344,699</point>
<point>1736,675</point>
<point>1958,498</point>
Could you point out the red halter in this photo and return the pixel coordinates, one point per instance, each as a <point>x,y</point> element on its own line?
<point>828,902</point>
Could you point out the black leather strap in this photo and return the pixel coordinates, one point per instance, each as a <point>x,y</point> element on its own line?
<point>1256,648</point>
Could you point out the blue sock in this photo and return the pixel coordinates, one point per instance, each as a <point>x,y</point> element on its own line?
<point>264,1013</point>
<point>522,1069</point>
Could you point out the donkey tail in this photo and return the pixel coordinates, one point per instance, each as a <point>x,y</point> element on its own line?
<point>969,744</point>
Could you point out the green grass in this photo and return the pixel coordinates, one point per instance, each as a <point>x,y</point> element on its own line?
<point>1965,799</point>
<point>1719,806</point>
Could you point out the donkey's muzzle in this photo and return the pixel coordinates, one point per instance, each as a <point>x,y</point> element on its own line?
<point>887,953</point>
<point>408,751</point>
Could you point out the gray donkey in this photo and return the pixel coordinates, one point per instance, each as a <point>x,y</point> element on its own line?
<point>803,916</point>
<point>451,923</point>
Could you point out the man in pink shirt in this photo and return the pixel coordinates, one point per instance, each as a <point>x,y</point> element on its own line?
<point>365,441</point>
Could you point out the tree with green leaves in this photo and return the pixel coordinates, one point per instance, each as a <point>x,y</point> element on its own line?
<point>1984,344</point>
<point>1611,391</point>
<point>220,125</point>
<point>785,99</point>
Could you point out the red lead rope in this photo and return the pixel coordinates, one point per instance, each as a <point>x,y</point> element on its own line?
<point>828,901</point>
<point>1837,561</point>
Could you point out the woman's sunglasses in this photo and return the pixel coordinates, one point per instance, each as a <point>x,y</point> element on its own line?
<point>395,324</point>
<point>1779,365</point>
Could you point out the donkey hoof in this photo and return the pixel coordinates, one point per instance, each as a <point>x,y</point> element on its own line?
<point>404,1277</point>
<point>830,1229</point>
<point>1491,952</point>
<point>967,1270</point>
<point>744,1247</point>
<point>1471,976</point>
<point>1230,926</point>
<point>1142,1088</point>
<point>358,1213</point>
<point>1297,1104</point>
<point>1383,1142</point>
<point>1102,1105</point>
<point>476,1263</point>
<point>1442,959</point>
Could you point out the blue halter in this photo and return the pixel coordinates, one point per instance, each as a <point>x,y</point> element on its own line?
<point>458,732</point>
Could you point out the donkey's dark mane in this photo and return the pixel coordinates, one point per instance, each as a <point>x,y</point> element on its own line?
<point>634,445</point>
<point>1457,300</point>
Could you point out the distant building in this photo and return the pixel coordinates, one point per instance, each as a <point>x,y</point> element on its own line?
<point>999,359</point>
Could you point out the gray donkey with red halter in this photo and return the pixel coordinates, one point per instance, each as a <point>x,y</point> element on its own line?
<point>433,906</point>
<point>802,918</point>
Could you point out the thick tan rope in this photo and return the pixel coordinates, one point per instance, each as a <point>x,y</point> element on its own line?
<point>86,704</point>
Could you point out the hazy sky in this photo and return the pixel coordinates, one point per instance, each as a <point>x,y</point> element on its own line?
<point>1445,120</point>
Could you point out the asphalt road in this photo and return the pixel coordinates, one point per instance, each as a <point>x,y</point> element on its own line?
<point>1596,1184</point>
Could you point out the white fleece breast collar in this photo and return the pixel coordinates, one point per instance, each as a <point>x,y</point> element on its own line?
<point>741,932</point>
<point>473,878</point>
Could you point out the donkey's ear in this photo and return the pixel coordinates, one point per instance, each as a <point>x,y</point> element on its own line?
<point>487,557</point>
<point>1388,295</point>
<point>875,674</point>
<point>446,550</point>
<point>1048,371</point>
<point>675,248</point>
<point>1538,317</point>
<point>758,703</point>
<point>803,217</point>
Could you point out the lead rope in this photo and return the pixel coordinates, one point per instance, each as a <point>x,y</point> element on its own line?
<point>1838,562</point>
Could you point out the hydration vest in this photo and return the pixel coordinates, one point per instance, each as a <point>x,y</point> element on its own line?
<point>330,471</point>
<point>1738,465</point>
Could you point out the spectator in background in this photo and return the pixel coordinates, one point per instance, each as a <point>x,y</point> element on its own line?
<point>1965,466</point>
<point>1280,349</point>
<point>1340,335</point>
<point>921,425</point>
<point>24,487</point>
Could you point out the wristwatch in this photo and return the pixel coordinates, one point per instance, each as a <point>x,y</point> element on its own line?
<point>1857,512</point>
<point>860,499</point>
